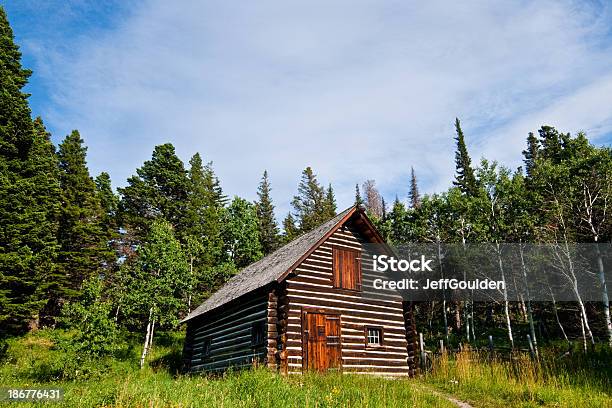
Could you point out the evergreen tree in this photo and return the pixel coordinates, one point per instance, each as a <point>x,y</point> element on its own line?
<point>240,233</point>
<point>159,190</point>
<point>290,228</point>
<point>552,144</point>
<point>15,121</point>
<point>309,203</point>
<point>415,197</point>
<point>398,223</point>
<point>330,203</point>
<point>203,213</point>
<point>109,202</point>
<point>464,178</point>
<point>28,195</point>
<point>384,209</point>
<point>268,229</point>
<point>531,153</point>
<point>358,199</point>
<point>44,191</point>
<point>82,240</point>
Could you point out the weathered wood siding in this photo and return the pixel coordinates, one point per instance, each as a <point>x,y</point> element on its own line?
<point>229,334</point>
<point>312,288</point>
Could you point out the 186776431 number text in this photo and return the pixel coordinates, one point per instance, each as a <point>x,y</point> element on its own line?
<point>31,394</point>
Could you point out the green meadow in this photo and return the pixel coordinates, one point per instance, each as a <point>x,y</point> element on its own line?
<point>37,360</point>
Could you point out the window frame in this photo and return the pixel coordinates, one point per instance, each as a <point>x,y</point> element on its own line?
<point>336,279</point>
<point>255,327</point>
<point>381,337</point>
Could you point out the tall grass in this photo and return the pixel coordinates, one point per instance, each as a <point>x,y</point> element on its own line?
<point>119,383</point>
<point>516,380</point>
<point>483,380</point>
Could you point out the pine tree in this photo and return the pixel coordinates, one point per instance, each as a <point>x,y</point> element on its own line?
<point>552,143</point>
<point>290,228</point>
<point>464,178</point>
<point>16,123</point>
<point>309,203</point>
<point>397,219</point>
<point>415,197</point>
<point>110,204</point>
<point>384,209</point>
<point>159,190</point>
<point>531,153</point>
<point>82,239</point>
<point>203,212</point>
<point>330,203</point>
<point>358,199</point>
<point>44,182</point>
<point>28,195</point>
<point>268,229</point>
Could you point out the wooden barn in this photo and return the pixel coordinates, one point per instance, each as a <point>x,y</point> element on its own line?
<point>307,306</point>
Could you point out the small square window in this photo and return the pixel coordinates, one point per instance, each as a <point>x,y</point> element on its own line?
<point>258,334</point>
<point>374,336</point>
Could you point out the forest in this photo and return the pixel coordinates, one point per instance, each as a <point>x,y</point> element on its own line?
<point>98,275</point>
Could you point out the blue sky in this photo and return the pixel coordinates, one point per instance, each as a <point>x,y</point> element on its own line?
<point>356,89</point>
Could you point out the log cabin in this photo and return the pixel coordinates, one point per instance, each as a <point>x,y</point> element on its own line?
<point>309,305</point>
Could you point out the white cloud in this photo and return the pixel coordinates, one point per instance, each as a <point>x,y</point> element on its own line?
<point>355,89</point>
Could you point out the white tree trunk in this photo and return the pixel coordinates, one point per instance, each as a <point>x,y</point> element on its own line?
<point>554,303</point>
<point>574,280</point>
<point>529,309</point>
<point>151,336</point>
<point>145,348</point>
<point>584,340</point>
<point>505,292</point>
<point>443,292</point>
<point>590,199</point>
<point>604,293</point>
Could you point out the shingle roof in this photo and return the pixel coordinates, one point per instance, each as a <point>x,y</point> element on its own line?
<point>267,269</point>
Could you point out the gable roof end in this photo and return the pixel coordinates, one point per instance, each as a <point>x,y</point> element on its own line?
<point>273,267</point>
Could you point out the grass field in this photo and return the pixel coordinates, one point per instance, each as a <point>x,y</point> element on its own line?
<point>554,381</point>
<point>35,361</point>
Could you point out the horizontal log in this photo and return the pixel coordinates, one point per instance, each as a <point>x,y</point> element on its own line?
<point>225,316</point>
<point>327,283</point>
<point>385,298</point>
<point>375,370</point>
<point>356,305</point>
<point>346,341</point>
<point>367,362</point>
<point>296,289</point>
<point>313,262</point>
<point>347,312</point>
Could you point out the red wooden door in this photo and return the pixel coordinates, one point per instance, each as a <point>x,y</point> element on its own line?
<point>322,347</point>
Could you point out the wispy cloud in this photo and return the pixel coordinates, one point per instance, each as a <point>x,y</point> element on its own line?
<point>357,90</point>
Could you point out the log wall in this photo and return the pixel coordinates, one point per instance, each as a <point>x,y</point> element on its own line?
<point>227,333</point>
<point>312,287</point>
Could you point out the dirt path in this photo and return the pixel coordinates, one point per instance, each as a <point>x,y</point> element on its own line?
<point>457,402</point>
